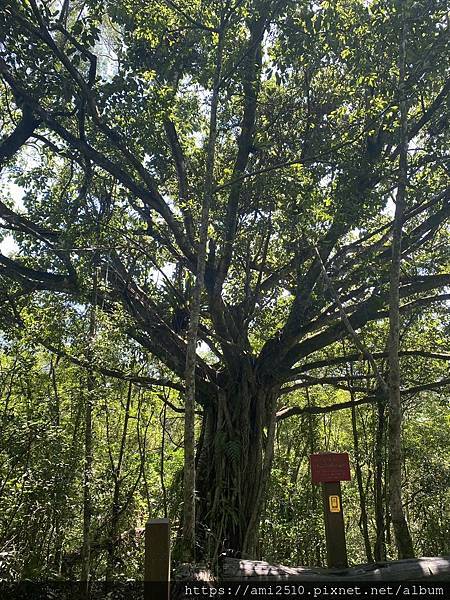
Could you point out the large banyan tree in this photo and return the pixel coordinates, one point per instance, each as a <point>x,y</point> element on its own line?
<point>120,118</point>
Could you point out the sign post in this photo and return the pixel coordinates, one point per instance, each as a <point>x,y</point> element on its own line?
<point>329,469</point>
<point>157,560</point>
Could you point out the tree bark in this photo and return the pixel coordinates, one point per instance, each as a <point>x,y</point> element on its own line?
<point>234,465</point>
<point>401,530</point>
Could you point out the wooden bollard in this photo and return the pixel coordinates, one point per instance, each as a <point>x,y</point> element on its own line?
<point>157,560</point>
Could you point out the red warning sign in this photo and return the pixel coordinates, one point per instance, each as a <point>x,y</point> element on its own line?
<point>328,467</point>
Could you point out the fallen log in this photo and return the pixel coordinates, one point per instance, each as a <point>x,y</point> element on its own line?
<point>413,569</point>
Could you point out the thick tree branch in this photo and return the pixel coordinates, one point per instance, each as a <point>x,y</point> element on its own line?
<point>355,337</point>
<point>180,166</point>
<point>290,411</point>
<point>414,128</point>
<point>251,77</point>
<point>367,311</point>
<point>147,382</point>
<point>35,279</point>
<point>26,225</point>
<point>148,194</point>
<point>21,134</point>
<point>359,357</point>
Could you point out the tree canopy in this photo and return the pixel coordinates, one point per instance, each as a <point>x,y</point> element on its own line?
<point>107,130</point>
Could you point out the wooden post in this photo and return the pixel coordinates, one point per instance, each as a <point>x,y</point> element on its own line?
<point>157,560</point>
<point>329,469</point>
<point>334,525</point>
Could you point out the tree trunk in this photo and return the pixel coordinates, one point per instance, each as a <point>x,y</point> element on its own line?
<point>115,508</point>
<point>87,483</point>
<point>88,445</point>
<point>312,443</point>
<point>363,522</point>
<point>401,530</point>
<point>234,466</point>
<point>194,319</point>
<point>380,542</point>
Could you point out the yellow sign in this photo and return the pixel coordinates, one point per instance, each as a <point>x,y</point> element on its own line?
<point>335,504</point>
